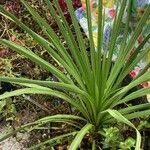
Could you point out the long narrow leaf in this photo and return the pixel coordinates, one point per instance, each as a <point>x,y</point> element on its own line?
<point>76,142</point>
<point>53,141</point>
<point>67,34</point>
<point>136,94</point>
<point>47,45</point>
<point>51,84</point>
<point>92,46</point>
<point>55,118</point>
<point>41,62</point>
<point>131,109</point>
<point>121,60</point>
<point>45,91</point>
<point>121,118</point>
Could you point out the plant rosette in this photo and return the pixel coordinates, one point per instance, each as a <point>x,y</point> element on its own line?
<point>91,83</point>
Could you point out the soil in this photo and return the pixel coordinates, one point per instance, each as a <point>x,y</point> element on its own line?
<point>146,139</point>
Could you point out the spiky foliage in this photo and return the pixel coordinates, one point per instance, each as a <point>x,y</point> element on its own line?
<point>96,81</point>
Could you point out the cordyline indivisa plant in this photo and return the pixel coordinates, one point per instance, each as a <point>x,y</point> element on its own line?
<point>92,83</point>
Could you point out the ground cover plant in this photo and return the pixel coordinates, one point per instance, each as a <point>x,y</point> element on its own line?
<point>90,82</point>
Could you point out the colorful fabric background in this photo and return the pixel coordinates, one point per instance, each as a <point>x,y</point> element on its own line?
<point>109,6</point>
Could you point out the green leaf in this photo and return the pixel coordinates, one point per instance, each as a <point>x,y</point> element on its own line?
<point>42,90</point>
<point>140,111</point>
<point>120,118</point>
<point>92,83</point>
<point>127,144</point>
<point>50,84</point>
<point>63,58</point>
<point>76,142</point>
<point>55,118</point>
<point>134,95</point>
<point>131,109</point>
<point>53,141</point>
<point>86,71</point>
<point>139,114</point>
<point>72,43</point>
<point>41,62</point>
<point>2,104</point>
<point>90,32</point>
<point>126,51</point>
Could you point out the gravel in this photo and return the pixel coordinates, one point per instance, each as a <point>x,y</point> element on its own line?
<point>14,143</point>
